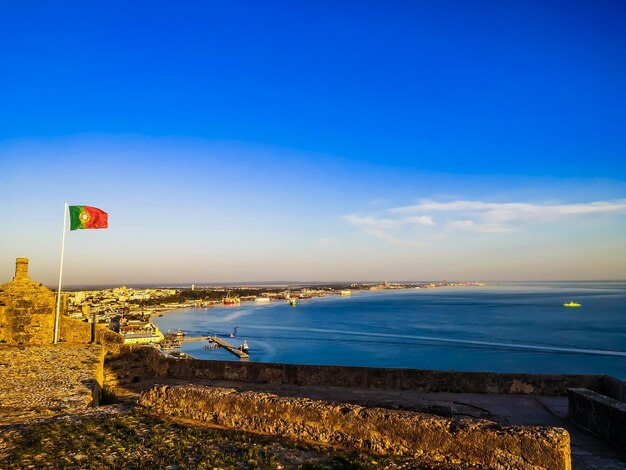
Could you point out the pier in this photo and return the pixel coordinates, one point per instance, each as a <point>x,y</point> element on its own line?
<point>229,347</point>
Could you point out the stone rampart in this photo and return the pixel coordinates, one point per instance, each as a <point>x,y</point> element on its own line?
<point>73,331</point>
<point>26,309</point>
<point>368,377</point>
<point>426,438</point>
<point>602,415</point>
<point>615,388</point>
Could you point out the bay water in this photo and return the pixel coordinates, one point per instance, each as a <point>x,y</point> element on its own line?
<point>500,327</point>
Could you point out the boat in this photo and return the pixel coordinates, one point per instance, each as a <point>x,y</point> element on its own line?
<point>211,344</point>
<point>228,300</point>
<point>170,343</point>
<point>293,302</point>
<point>571,304</point>
<point>244,347</point>
<point>179,355</point>
<point>262,300</point>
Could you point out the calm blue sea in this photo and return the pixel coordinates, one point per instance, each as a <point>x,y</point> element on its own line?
<point>502,327</point>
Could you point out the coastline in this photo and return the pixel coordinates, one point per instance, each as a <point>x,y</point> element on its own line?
<point>161,310</point>
<point>500,329</point>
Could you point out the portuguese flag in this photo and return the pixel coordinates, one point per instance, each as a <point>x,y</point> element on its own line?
<point>82,217</point>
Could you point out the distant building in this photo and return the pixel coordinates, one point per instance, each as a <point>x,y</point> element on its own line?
<point>141,333</point>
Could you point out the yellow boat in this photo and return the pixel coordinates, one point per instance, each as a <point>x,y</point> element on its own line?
<point>571,304</point>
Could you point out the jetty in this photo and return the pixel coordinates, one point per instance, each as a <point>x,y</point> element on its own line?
<point>229,347</point>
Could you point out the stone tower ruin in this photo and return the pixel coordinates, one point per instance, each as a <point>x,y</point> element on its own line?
<point>26,309</point>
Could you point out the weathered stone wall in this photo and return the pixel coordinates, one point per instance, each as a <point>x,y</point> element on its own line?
<point>126,366</point>
<point>602,415</point>
<point>27,309</point>
<point>615,388</point>
<point>25,326</point>
<point>368,377</point>
<point>73,331</point>
<point>427,438</point>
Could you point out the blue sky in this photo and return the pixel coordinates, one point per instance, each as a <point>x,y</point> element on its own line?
<point>240,141</point>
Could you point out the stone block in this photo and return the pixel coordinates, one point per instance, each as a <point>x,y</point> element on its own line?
<point>602,415</point>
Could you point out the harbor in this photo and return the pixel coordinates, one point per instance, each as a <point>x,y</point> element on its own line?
<point>216,342</point>
<point>356,330</point>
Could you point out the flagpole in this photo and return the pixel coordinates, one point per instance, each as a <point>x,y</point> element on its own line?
<point>56,315</point>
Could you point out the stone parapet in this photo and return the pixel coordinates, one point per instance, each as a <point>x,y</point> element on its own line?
<point>369,377</point>
<point>427,438</point>
<point>73,331</point>
<point>602,415</point>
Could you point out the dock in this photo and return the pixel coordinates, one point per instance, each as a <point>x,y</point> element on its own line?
<point>229,347</point>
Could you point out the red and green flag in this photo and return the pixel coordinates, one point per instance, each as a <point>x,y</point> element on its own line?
<point>82,217</point>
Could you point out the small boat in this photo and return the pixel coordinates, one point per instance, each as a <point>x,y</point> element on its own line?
<point>262,300</point>
<point>179,355</point>
<point>293,302</point>
<point>228,300</point>
<point>244,347</point>
<point>571,304</point>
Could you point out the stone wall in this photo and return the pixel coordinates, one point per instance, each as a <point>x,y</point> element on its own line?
<point>602,415</point>
<point>426,438</point>
<point>26,309</point>
<point>368,377</point>
<point>73,331</point>
<point>615,388</point>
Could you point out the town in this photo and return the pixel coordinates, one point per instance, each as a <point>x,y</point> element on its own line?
<point>129,311</point>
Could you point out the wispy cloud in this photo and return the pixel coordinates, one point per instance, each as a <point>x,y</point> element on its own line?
<point>474,216</point>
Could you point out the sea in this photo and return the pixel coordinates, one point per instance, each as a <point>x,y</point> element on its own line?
<point>500,327</point>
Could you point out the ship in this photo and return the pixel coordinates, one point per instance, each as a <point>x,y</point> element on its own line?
<point>571,304</point>
<point>228,300</point>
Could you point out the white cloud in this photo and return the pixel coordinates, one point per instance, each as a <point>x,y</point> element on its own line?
<point>420,220</point>
<point>474,216</point>
<point>372,221</point>
<point>471,226</point>
<point>509,210</point>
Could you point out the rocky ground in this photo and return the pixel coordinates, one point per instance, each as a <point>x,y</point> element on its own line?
<point>45,381</point>
<point>118,437</point>
<point>46,422</point>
